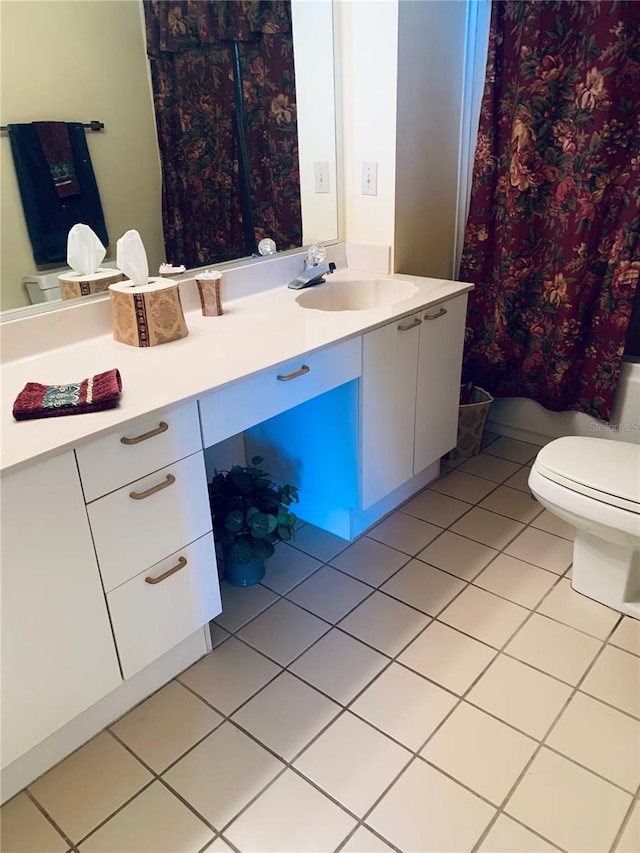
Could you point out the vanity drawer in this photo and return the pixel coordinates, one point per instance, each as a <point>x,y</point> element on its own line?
<point>257,398</point>
<point>149,618</point>
<point>137,449</point>
<point>141,523</point>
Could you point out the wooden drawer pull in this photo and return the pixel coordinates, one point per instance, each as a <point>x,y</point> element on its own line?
<point>440,313</point>
<point>182,562</point>
<point>412,325</point>
<point>162,427</point>
<point>140,496</point>
<point>285,377</point>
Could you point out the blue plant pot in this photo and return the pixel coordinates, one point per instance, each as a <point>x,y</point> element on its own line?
<point>243,574</point>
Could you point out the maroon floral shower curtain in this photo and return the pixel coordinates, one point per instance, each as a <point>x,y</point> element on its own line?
<point>189,48</point>
<point>552,240</point>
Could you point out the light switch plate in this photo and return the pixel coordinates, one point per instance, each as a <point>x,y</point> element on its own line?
<point>321,171</point>
<point>369,177</point>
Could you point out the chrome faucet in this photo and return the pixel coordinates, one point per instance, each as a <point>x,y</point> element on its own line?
<point>314,270</point>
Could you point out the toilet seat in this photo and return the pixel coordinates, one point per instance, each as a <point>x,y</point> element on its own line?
<point>593,467</point>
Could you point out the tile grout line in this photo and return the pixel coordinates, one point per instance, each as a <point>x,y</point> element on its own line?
<point>541,745</point>
<point>409,556</point>
<point>461,699</point>
<point>344,707</point>
<point>288,764</point>
<point>626,821</point>
<point>47,816</point>
<point>362,825</point>
<point>559,578</point>
<point>208,845</point>
<point>574,690</point>
<point>229,844</point>
<point>468,583</point>
<point>122,806</point>
<point>226,719</point>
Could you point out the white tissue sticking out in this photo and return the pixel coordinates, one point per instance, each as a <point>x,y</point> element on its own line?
<point>131,258</point>
<point>85,252</point>
<point>209,275</point>
<point>170,269</point>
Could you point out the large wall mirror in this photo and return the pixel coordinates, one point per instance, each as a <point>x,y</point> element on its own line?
<point>83,60</point>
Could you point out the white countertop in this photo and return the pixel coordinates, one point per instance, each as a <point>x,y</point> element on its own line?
<point>255,332</point>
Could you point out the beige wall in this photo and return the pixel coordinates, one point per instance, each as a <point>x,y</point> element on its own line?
<point>431,55</point>
<point>73,60</point>
<point>312,24</point>
<point>402,64</point>
<point>368,70</point>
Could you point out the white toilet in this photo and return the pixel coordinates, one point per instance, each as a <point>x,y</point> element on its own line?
<point>594,484</point>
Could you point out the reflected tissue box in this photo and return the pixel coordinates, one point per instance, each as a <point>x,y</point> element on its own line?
<point>74,284</point>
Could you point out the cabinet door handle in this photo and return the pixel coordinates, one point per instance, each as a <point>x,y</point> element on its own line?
<point>140,496</point>
<point>182,562</point>
<point>162,427</point>
<point>285,377</point>
<point>405,327</point>
<point>440,313</point>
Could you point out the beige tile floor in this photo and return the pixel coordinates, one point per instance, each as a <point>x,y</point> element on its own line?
<point>435,686</point>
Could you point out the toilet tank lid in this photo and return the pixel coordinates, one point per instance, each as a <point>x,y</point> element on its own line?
<point>605,465</point>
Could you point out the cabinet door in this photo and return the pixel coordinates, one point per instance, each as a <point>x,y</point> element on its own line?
<point>387,400</point>
<point>58,654</point>
<point>439,368</point>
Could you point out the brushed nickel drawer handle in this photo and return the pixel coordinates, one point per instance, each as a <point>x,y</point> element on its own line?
<point>440,313</point>
<point>182,562</point>
<point>140,496</point>
<point>285,377</point>
<point>412,325</point>
<point>162,427</point>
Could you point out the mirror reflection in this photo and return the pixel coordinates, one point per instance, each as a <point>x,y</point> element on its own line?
<point>80,60</point>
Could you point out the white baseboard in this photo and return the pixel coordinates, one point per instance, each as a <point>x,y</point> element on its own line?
<point>517,433</point>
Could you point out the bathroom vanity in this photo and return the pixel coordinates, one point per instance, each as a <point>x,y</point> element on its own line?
<point>109,574</point>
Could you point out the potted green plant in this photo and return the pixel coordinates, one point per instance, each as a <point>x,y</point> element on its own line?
<point>250,514</point>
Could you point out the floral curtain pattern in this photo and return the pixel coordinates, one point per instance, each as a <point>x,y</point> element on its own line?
<point>553,235</point>
<point>189,47</point>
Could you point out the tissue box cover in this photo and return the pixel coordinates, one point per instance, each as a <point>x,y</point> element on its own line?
<point>72,285</point>
<point>148,315</point>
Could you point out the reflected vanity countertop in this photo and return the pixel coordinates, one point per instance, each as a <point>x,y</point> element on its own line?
<point>255,333</point>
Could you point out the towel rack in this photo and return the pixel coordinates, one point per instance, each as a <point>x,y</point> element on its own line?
<point>94,126</point>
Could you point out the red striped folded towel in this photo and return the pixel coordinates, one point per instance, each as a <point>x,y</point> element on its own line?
<point>56,147</point>
<point>94,394</point>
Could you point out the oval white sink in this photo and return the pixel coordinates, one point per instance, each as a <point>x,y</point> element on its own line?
<point>356,295</point>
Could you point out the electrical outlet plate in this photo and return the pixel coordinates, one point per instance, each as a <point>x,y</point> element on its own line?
<point>369,177</point>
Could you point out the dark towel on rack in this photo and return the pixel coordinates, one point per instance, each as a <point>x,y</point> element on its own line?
<point>56,147</point>
<point>94,394</point>
<point>50,218</point>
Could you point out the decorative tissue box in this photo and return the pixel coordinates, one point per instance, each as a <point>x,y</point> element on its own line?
<point>169,270</point>
<point>147,315</point>
<point>74,284</point>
